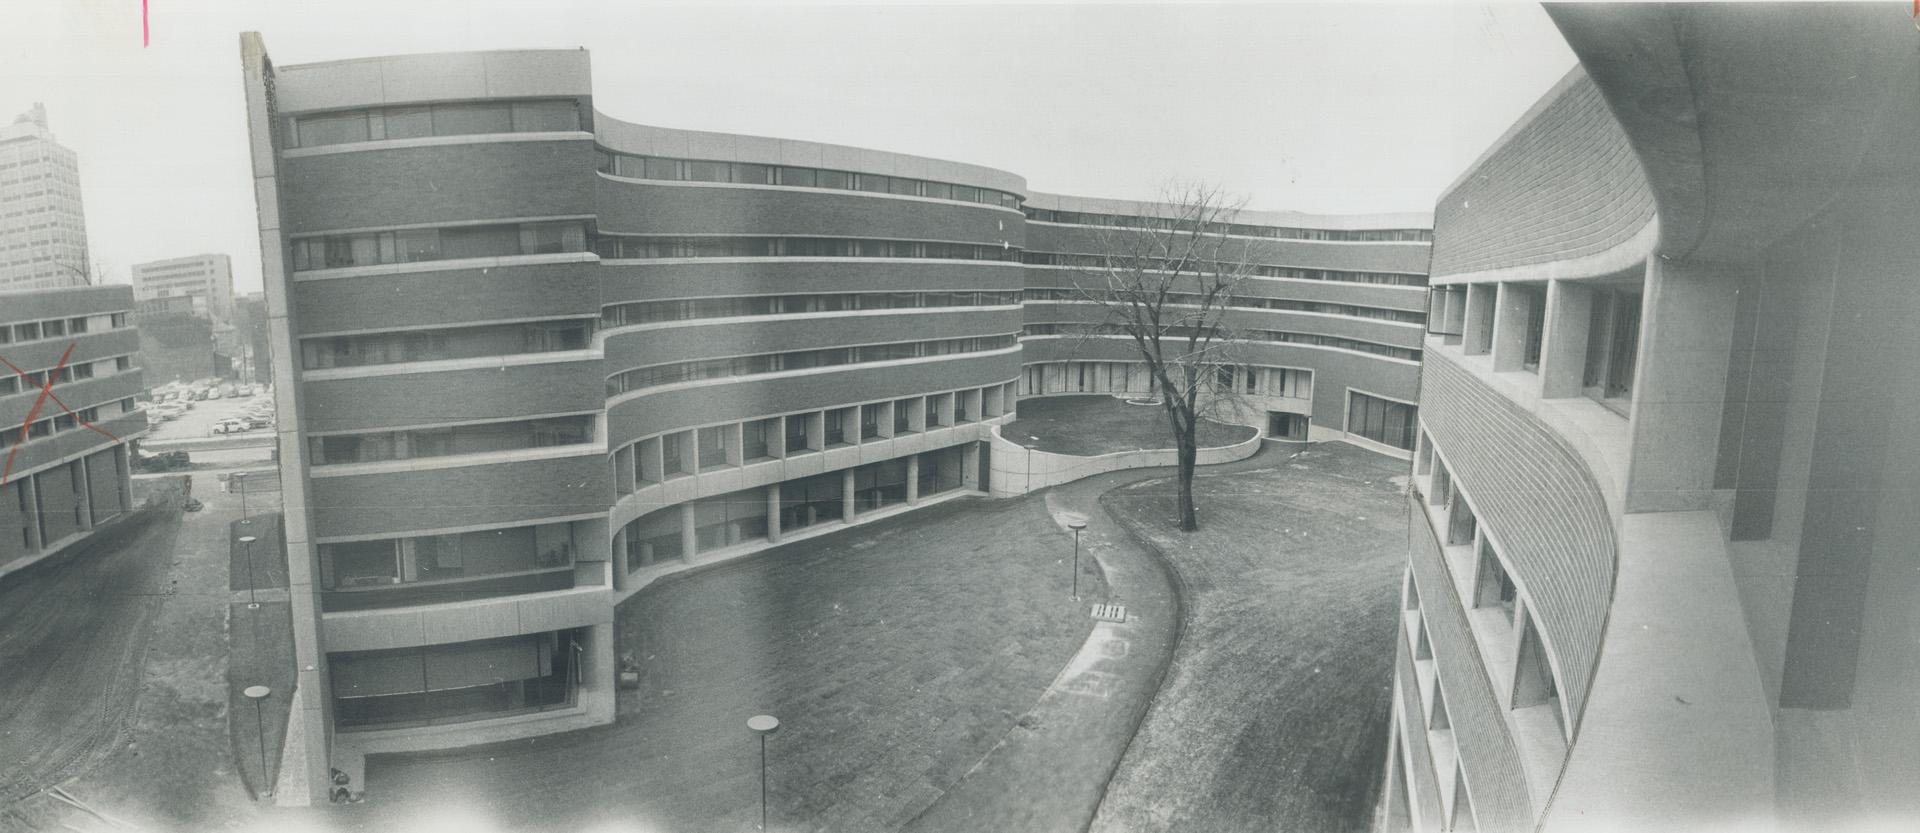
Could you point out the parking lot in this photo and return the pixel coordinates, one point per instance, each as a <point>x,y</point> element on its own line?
<point>199,421</point>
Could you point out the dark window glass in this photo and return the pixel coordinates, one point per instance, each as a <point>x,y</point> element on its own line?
<point>545,116</point>
<point>662,169</point>
<point>752,174</point>
<point>409,122</point>
<point>937,190</point>
<point>471,119</point>
<point>315,131</point>
<point>873,182</point>
<point>631,167</point>
<point>480,241</point>
<point>701,171</point>
<point>835,179</point>
<point>904,186</point>
<point>802,177</point>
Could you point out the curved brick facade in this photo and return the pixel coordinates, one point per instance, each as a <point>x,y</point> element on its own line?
<point>1565,183</point>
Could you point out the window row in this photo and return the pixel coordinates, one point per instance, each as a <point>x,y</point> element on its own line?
<point>1246,302</point>
<point>634,248</point>
<point>372,248</point>
<point>1382,420</point>
<point>750,173</point>
<point>452,343</point>
<point>59,327</point>
<point>757,514</point>
<point>649,312</point>
<point>1134,378</point>
<point>1100,262</point>
<point>11,383</point>
<point>419,121</point>
<point>454,683</point>
<point>54,425</point>
<point>676,454</point>
<point>1278,336</point>
<point>667,374</point>
<point>1082,218</point>
<point>1493,589</point>
<point>451,441</point>
<point>461,555</point>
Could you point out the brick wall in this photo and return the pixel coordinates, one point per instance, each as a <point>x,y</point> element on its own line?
<point>1565,185</point>
<point>1529,488</point>
<point>1424,781</point>
<point>1496,782</point>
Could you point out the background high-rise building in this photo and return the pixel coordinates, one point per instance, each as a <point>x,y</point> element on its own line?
<point>43,231</point>
<point>207,279</point>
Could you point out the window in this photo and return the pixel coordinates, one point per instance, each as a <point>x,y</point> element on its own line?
<point>701,171</point>
<point>796,435</point>
<point>472,119</point>
<point>1533,683</point>
<point>479,241</point>
<point>1381,420</point>
<point>751,174</point>
<point>408,122</point>
<point>1494,587</point>
<point>870,421</point>
<point>713,446</point>
<point>672,459</point>
<point>543,116</point>
<point>314,131</point>
<point>754,438</point>
<point>1535,305</point>
<point>1613,339</point>
<point>26,332</point>
<point>903,416</point>
<point>834,179</point>
<point>801,177</point>
<point>836,431</point>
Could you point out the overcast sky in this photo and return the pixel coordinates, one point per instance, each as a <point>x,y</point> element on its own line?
<point>1320,108</point>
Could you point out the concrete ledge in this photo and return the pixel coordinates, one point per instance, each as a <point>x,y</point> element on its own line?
<point>1012,477</point>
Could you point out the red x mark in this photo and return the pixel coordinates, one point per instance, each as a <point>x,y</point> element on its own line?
<point>46,393</point>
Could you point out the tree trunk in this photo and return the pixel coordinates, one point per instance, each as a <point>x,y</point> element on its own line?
<point>1189,454</point>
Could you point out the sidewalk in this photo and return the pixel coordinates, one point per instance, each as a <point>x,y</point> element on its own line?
<point>1050,773</point>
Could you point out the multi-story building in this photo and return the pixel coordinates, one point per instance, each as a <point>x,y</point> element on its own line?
<point>65,453</point>
<point>43,229</point>
<point>207,279</point>
<point>530,358</point>
<point>1662,560</point>
<point>1327,318</point>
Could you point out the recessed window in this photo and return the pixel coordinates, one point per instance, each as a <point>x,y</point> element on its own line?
<point>1613,340</point>
<point>1382,420</point>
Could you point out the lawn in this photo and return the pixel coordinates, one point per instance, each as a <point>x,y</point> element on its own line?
<point>896,654</point>
<point>1274,712</point>
<point>1085,426</point>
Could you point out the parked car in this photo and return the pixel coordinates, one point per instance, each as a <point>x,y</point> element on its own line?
<point>259,422</point>
<point>229,426</point>
<point>192,505</point>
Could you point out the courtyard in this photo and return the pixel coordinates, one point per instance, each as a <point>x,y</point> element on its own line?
<point>1100,424</point>
<point>924,669</point>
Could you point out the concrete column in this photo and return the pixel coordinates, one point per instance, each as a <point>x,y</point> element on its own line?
<point>773,514</point>
<point>1479,318</point>
<point>886,419</point>
<point>83,494</point>
<point>776,438</point>
<point>917,413</point>
<point>846,495</point>
<point>1563,350</point>
<point>1510,323</point>
<point>689,541</point>
<point>620,565</point>
<point>816,430</point>
<point>733,441</point>
<point>647,458</point>
<point>689,452</point>
<point>623,469</point>
<point>1680,378</point>
<point>36,530</point>
<point>913,479</point>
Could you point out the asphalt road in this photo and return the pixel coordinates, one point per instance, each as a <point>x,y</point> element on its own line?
<point>72,637</point>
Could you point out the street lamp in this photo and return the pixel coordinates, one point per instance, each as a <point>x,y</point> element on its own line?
<point>240,478</point>
<point>763,725</point>
<point>259,693</point>
<point>248,541</point>
<point>1029,446</point>
<point>1077,527</point>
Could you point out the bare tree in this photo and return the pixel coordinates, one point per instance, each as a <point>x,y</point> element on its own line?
<point>1165,279</point>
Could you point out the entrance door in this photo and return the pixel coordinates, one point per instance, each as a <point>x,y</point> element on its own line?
<point>1282,426</point>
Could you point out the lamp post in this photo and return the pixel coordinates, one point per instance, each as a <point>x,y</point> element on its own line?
<point>1077,527</point>
<point>259,693</point>
<point>239,479</point>
<point>248,540</point>
<point>763,725</point>
<point>1029,447</point>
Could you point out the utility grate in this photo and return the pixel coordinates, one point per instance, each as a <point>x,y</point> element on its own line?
<point>1110,613</point>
